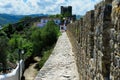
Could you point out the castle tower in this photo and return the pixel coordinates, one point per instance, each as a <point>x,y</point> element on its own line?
<point>66,10</point>
<point>108,1</point>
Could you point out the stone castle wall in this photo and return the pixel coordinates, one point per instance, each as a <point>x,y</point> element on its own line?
<point>96,42</point>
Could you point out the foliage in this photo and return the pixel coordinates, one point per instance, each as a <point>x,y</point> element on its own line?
<point>56,16</point>
<point>9,18</point>
<point>45,37</point>
<point>50,33</point>
<point>37,42</point>
<point>46,55</point>
<point>32,40</point>
<point>49,36</point>
<point>2,33</point>
<point>18,43</point>
<point>8,29</point>
<point>25,18</point>
<point>59,16</point>
<point>13,46</point>
<point>19,27</point>
<point>3,51</point>
<point>28,49</point>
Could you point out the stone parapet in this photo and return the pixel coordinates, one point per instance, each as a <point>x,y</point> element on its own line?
<point>96,41</point>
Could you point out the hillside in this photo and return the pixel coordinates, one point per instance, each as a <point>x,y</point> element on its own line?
<point>9,18</point>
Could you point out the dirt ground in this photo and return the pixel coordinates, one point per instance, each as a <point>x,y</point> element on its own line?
<point>31,72</point>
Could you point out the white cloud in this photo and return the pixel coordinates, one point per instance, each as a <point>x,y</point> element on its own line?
<point>45,6</point>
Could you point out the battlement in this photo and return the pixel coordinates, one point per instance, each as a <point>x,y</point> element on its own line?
<point>96,42</point>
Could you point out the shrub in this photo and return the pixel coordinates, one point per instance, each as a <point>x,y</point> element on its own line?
<point>37,42</point>
<point>3,51</point>
<point>18,43</point>
<point>9,29</point>
<point>50,33</point>
<point>46,55</point>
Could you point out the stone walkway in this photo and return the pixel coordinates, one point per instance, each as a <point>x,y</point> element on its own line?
<point>61,65</point>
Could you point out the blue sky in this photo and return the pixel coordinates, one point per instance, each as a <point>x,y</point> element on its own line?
<point>22,7</point>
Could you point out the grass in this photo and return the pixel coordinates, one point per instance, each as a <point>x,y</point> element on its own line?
<point>45,57</point>
<point>46,54</point>
<point>59,34</point>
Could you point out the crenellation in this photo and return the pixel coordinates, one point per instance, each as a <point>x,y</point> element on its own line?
<point>98,37</point>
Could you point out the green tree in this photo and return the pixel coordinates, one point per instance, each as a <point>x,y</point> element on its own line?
<point>20,27</point>
<point>59,16</point>
<point>25,18</point>
<point>37,42</point>
<point>9,29</point>
<point>50,33</point>
<point>28,48</point>
<point>19,43</point>
<point>13,48</point>
<point>56,16</point>
<point>3,51</point>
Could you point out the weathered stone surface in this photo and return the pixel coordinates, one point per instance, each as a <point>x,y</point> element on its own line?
<point>115,53</point>
<point>61,65</point>
<point>98,37</point>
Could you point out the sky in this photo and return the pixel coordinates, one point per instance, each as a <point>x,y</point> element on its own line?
<point>26,7</point>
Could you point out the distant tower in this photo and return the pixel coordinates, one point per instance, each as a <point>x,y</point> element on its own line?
<point>108,1</point>
<point>66,10</point>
